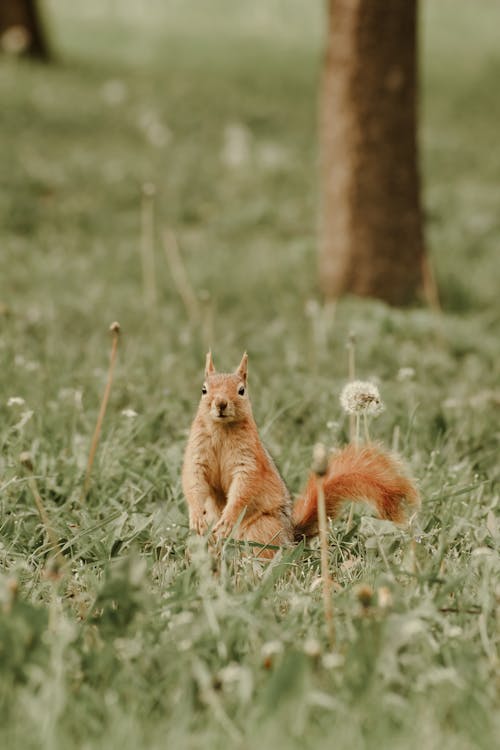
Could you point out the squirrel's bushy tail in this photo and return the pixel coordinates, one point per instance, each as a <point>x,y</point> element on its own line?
<point>355,473</point>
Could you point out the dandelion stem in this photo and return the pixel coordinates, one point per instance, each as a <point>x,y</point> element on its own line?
<point>207,318</point>
<point>320,466</point>
<point>430,287</point>
<point>147,244</point>
<point>351,361</point>
<point>115,330</point>
<point>25,459</point>
<point>353,418</point>
<point>325,573</point>
<point>180,277</point>
<point>365,425</point>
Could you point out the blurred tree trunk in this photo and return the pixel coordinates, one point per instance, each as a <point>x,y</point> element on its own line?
<point>21,29</point>
<point>371,237</point>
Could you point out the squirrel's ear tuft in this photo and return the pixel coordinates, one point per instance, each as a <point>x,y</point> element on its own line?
<point>209,365</point>
<point>242,369</point>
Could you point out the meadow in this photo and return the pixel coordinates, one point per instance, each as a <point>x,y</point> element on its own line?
<point>142,639</point>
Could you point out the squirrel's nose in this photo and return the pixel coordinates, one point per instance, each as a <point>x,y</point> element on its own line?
<point>221,404</point>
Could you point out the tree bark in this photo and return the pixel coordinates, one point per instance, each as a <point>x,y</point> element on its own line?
<point>25,15</point>
<point>371,237</point>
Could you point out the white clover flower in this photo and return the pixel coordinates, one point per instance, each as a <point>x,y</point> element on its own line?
<point>16,401</point>
<point>361,397</point>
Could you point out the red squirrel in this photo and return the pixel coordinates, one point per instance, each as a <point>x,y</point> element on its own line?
<point>232,484</point>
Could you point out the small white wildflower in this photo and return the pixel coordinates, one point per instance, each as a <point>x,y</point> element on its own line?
<point>236,149</point>
<point>26,364</point>
<point>16,401</point>
<point>233,672</point>
<point>312,648</point>
<point>271,648</point>
<point>129,413</point>
<point>405,373</point>
<point>361,397</point>
<point>156,132</point>
<point>332,661</point>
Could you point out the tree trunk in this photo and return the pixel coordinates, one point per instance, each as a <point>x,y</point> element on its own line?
<point>371,238</point>
<point>18,18</point>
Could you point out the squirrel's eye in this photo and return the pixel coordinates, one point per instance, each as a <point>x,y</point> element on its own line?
<point>204,390</point>
<point>241,391</point>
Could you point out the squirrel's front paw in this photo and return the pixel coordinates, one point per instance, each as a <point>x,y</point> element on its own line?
<point>223,528</point>
<point>198,522</point>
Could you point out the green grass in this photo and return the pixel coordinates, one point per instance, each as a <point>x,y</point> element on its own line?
<point>145,642</point>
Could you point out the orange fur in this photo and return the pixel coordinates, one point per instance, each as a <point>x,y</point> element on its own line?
<point>232,485</point>
<point>228,477</point>
<point>357,473</point>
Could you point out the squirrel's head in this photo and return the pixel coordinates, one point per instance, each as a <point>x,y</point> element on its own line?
<point>224,397</point>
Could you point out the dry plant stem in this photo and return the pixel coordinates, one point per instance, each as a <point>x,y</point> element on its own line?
<point>351,358</point>
<point>431,293</point>
<point>180,277</point>
<point>147,245</point>
<point>325,573</point>
<point>45,520</point>
<point>355,439</point>
<point>353,418</point>
<point>115,330</point>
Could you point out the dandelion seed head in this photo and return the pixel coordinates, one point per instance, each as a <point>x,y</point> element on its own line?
<point>361,397</point>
